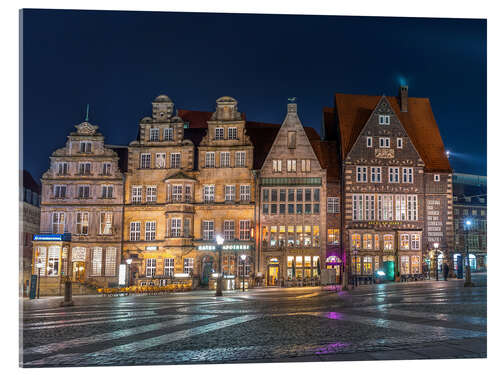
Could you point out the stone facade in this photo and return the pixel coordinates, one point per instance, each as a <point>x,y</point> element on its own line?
<point>29,224</point>
<point>82,198</point>
<point>374,193</point>
<point>292,215</point>
<point>159,187</point>
<point>470,204</point>
<point>188,203</point>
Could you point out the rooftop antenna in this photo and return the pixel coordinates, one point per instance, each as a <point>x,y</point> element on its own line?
<point>87,115</point>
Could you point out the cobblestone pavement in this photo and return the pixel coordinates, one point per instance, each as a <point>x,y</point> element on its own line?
<point>413,320</point>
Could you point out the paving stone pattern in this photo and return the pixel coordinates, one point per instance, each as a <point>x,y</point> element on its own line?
<point>418,320</point>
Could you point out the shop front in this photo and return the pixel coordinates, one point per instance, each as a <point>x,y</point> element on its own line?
<point>50,261</point>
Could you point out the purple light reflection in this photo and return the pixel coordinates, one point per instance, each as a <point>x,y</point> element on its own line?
<point>332,347</point>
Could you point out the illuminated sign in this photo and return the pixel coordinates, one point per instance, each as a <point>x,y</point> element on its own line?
<point>122,274</point>
<point>206,247</point>
<point>52,237</point>
<point>151,248</point>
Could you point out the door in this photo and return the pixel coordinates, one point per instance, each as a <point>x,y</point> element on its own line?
<point>79,271</point>
<point>389,270</point>
<point>272,275</point>
<point>207,266</point>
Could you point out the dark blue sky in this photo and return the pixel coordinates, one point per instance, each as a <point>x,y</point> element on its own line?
<point>118,62</point>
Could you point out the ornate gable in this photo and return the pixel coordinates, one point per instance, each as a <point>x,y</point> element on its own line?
<point>86,128</point>
<point>377,128</point>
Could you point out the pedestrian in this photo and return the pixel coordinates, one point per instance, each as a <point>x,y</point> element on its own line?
<point>446,269</point>
<point>425,270</point>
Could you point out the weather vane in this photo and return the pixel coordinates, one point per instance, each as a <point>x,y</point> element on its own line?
<point>87,115</point>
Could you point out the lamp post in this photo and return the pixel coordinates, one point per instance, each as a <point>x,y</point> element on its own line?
<point>468,281</point>
<point>436,245</point>
<point>39,266</point>
<point>129,262</point>
<point>220,241</point>
<point>243,257</point>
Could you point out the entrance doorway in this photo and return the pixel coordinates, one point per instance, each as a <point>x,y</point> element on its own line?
<point>206,269</point>
<point>79,271</point>
<point>272,274</point>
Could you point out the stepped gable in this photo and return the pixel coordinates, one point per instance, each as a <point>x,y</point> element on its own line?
<point>353,112</point>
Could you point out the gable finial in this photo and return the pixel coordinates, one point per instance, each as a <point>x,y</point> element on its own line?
<point>87,115</point>
<point>292,100</point>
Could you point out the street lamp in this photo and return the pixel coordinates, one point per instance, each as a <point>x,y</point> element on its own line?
<point>468,281</point>
<point>220,241</point>
<point>39,266</point>
<point>129,262</point>
<point>436,245</point>
<point>243,257</point>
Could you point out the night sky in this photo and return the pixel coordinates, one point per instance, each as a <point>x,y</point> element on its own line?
<point>118,62</point>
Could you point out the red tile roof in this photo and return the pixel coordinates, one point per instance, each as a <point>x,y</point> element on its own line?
<point>354,110</point>
<point>328,156</point>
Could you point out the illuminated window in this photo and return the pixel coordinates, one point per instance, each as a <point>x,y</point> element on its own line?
<point>244,230</point>
<point>367,241</point>
<point>291,236</point>
<point>96,261</point>
<point>53,261</point>
<point>405,265</point>
<point>356,241</point>
<point>415,241</point>
<point>367,265</point>
<point>276,165</point>
<point>168,264</point>
<point>376,241</point>
<point>58,222</point>
<point>356,265</point>
<point>82,223</point>
<point>291,165</point>
<point>388,242</point>
<point>150,267</point>
<point>110,262</point>
<point>405,242</point>
<point>415,264</point>
<point>333,236</point>
<point>188,265</point>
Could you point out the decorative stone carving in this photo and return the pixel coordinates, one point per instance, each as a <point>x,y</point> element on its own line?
<point>86,128</point>
<point>384,153</point>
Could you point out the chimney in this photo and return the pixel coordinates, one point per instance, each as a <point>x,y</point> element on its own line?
<point>403,98</point>
<point>292,105</point>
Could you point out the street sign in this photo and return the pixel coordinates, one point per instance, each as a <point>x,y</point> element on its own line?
<point>52,237</point>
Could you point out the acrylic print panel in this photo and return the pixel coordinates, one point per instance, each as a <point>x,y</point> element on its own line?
<point>257,176</point>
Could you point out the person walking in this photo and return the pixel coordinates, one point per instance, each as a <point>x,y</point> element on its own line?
<point>446,269</point>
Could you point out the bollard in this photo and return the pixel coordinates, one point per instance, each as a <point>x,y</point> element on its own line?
<point>68,298</point>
